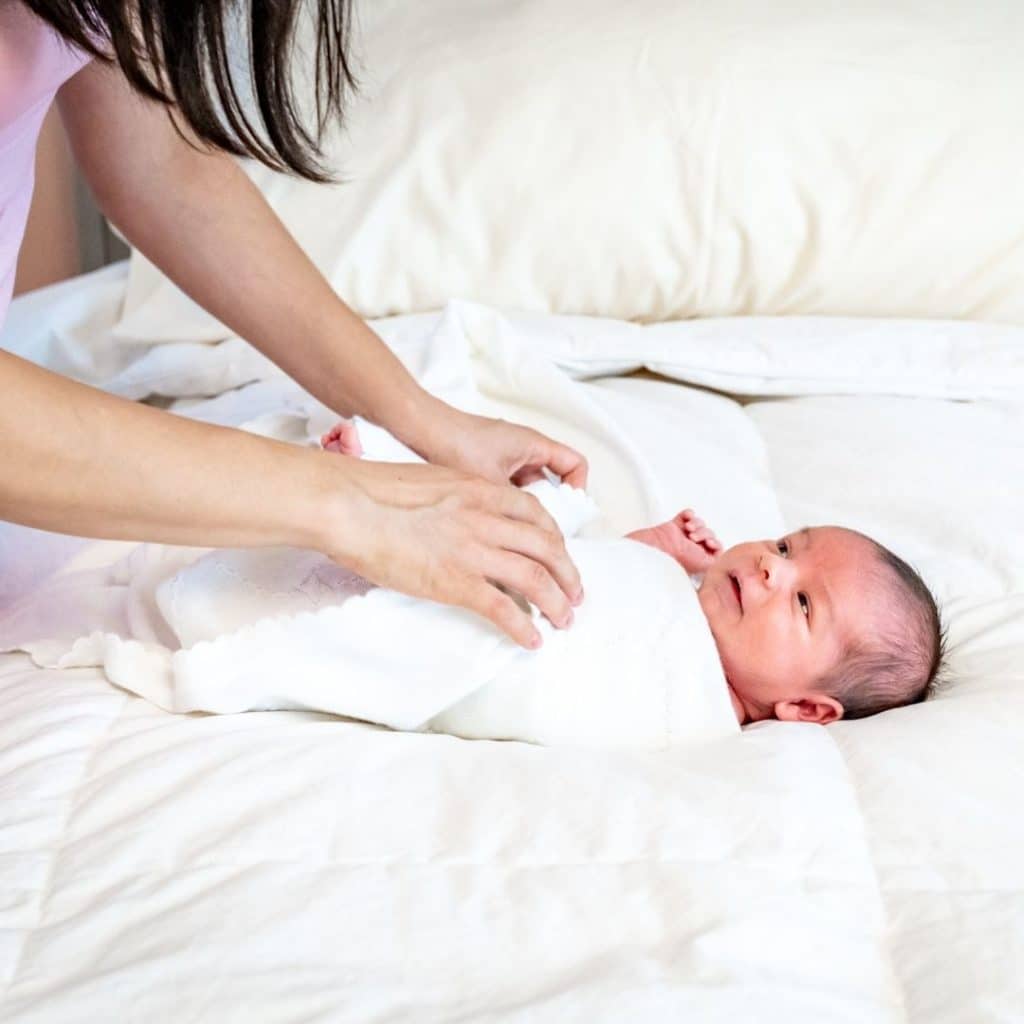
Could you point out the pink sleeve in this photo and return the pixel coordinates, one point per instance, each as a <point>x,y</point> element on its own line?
<point>34,63</point>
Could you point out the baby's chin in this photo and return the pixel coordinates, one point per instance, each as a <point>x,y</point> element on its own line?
<point>737,704</point>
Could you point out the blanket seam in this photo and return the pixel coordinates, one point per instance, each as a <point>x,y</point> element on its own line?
<point>45,890</point>
<point>884,939</point>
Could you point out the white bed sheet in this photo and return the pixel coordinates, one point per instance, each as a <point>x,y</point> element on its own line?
<point>288,866</point>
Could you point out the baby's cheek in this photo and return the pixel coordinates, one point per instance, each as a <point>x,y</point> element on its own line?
<point>767,660</point>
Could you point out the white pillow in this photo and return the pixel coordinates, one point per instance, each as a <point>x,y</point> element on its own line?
<point>776,355</point>
<point>655,160</point>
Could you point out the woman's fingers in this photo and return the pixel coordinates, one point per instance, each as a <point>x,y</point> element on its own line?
<point>501,451</point>
<point>528,475</point>
<point>542,453</point>
<point>533,580</point>
<point>513,503</point>
<point>490,603</point>
<point>444,536</point>
<point>544,548</point>
<point>567,463</point>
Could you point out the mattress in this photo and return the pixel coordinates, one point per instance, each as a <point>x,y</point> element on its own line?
<point>298,867</point>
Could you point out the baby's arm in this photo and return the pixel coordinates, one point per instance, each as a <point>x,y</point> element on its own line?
<point>686,538</point>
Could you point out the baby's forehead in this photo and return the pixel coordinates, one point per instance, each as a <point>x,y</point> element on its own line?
<point>838,545</point>
<point>852,567</point>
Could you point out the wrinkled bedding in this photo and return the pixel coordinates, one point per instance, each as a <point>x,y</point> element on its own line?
<point>288,866</point>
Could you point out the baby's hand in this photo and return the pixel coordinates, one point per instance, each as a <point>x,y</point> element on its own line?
<point>686,538</point>
<point>343,438</point>
<point>699,533</point>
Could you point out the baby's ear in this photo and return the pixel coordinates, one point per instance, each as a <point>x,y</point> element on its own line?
<point>818,708</point>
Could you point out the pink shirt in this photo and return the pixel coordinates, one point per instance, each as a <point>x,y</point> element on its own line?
<point>34,63</point>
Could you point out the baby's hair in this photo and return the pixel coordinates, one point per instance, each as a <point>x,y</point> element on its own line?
<point>902,663</point>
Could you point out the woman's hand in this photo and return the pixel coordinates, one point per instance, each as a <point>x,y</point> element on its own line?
<point>445,535</point>
<point>492,449</point>
<point>457,522</point>
<point>496,450</point>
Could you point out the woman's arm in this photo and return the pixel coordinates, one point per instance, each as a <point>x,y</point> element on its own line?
<point>201,220</point>
<point>77,460</point>
<point>198,217</point>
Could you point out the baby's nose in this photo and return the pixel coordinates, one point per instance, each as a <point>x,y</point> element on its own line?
<point>771,568</point>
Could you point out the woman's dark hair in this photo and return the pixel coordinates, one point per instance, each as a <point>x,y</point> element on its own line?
<point>178,52</point>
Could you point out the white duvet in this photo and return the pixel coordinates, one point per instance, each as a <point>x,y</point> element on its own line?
<point>293,866</point>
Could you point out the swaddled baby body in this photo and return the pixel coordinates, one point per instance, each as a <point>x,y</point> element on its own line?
<point>281,628</point>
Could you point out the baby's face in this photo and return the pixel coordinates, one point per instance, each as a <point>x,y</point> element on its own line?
<point>783,612</point>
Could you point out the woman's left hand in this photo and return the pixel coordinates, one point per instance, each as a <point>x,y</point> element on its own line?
<point>501,452</point>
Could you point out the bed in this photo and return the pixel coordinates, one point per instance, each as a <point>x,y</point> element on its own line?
<point>298,867</point>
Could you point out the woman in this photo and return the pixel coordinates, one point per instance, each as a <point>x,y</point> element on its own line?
<point>152,110</point>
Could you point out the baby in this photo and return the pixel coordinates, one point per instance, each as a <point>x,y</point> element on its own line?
<point>819,625</point>
<point>822,624</point>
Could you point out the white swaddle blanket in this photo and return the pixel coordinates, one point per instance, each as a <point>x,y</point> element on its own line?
<point>249,630</point>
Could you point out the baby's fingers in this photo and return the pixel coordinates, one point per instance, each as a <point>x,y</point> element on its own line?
<point>706,538</point>
<point>697,531</point>
<point>343,439</point>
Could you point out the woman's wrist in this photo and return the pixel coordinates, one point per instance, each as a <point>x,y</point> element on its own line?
<point>425,424</point>
<point>322,518</point>
<point>330,510</point>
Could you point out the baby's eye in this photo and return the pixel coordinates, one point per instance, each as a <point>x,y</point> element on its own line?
<point>805,605</point>
<point>783,546</point>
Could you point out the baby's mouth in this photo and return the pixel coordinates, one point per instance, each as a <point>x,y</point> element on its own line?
<point>737,592</point>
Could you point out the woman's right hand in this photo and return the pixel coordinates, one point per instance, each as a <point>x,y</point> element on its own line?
<point>441,534</point>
